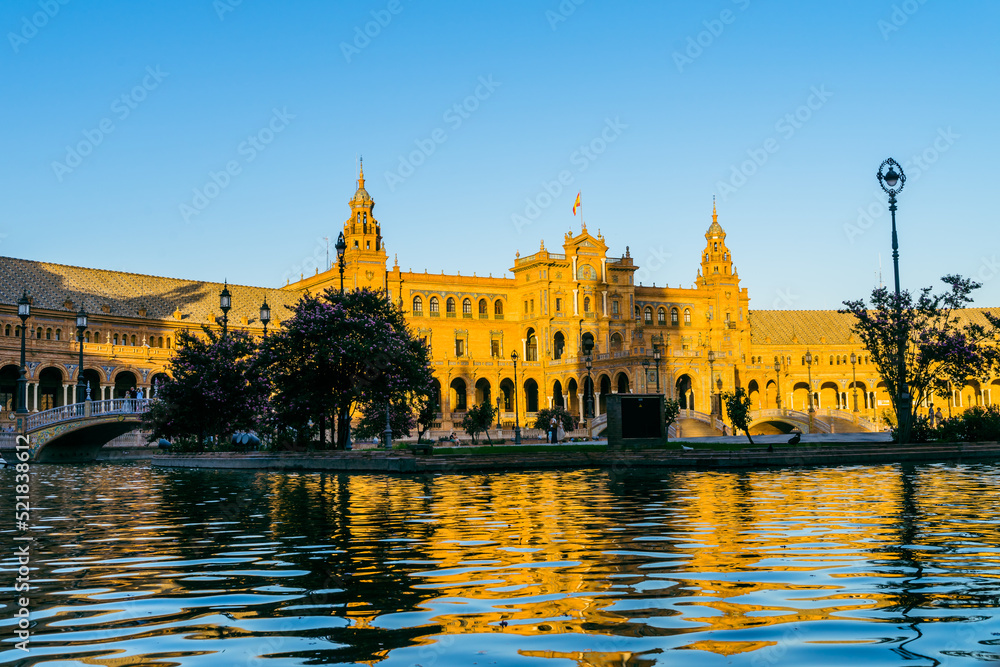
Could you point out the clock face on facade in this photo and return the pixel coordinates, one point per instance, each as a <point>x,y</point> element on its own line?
<point>586,272</point>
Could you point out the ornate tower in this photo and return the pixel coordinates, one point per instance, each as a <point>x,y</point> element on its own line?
<point>716,261</point>
<point>365,257</point>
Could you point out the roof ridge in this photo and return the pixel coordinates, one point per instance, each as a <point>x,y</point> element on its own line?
<point>132,273</point>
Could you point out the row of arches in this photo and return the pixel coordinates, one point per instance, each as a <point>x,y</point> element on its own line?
<point>52,387</point>
<point>126,339</point>
<point>434,307</point>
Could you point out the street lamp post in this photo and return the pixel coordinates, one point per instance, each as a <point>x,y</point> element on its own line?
<point>387,433</point>
<point>645,373</point>
<point>588,400</point>
<point>81,386</point>
<point>711,382</point>
<point>517,422</point>
<point>777,385</point>
<point>809,362</point>
<point>888,181</point>
<point>24,312</point>
<point>341,248</point>
<point>225,303</point>
<point>656,357</point>
<point>854,374</point>
<point>265,316</point>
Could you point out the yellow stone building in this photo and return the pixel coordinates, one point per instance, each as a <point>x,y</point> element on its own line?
<point>556,306</point>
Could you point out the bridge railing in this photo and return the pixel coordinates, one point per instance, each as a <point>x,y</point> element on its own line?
<point>114,406</point>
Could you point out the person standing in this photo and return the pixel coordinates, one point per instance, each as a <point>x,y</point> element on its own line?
<point>930,416</point>
<point>552,429</point>
<point>938,417</point>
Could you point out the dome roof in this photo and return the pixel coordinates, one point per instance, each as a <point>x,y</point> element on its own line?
<point>715,229</point>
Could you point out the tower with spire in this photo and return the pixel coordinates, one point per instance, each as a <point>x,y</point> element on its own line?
<point>716,260</point>
<point>365,257</point>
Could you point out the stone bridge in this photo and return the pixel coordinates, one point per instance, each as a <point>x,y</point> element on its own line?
<point>74,433</point>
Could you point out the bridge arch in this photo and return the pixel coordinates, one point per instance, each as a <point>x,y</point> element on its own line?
<point>75,433</point>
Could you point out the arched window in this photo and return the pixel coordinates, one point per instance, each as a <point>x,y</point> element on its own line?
<point>435,307</point>
<point>418,305</point>
<point>6,330</point>
<point>586,304</point>
<point>482,308</point>
<point>558,345</point>
<point>133,341</point>
<point>160,342</point>
<point>168,342</point>
<point>673,316</point>
<point>661,316</point>
<point>467,307</point>
<point>531,346</point>
<point>58,334</point>
<point>831,360</point>
<point>86,336</point>
<point>498,309</point>
<point>648,315</point>
<point>38,333</point>
<point>48,334</point>
<point>687,317</point>
<point>116,339</point>
<point>450,306</point>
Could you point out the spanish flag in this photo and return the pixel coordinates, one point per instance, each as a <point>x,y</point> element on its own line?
<point>577,203</point>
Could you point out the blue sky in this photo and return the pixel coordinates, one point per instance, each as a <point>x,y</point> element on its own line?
<point>120,121</point>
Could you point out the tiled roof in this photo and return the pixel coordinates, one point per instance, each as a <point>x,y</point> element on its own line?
<point>51,285</point>
<point>808,327</point>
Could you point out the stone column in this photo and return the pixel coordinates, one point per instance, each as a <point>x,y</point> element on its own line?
<point>576,300</point>
<point>35,406</point>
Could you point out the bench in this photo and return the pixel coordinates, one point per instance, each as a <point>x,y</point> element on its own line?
<point>421,448</point>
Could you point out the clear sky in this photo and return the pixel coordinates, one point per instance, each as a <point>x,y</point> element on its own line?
<point>120,120</point>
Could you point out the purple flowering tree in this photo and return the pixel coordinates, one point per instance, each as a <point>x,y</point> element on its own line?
<point>342,355</point>
<point>213,388</point>
<point>940,347</point>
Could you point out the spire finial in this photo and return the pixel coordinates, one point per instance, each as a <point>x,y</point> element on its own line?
<point>361,172</point>
<point>715,215</point>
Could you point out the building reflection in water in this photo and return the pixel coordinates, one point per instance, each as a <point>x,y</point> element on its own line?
<point>872,562</point>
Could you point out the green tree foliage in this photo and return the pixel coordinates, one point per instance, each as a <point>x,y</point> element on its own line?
<point>671,409</point>
<point>213,389</point>
<point>938,347</point>
<point>340,353</point>
<point>738,408</point>
<point>427,415</point>
<point>478,419</point>
<point>372,422</point>
<point>560,413</point>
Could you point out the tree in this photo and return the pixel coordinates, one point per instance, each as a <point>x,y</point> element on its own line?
<point>340,353</point>
<point>372,422</point>
<point>213,388</point>
<point>478,419</point>
<point>427,415</point>
<point>671,409</point>
<point>738,408</point>
<point>938,346</point>
<point>560,413</point>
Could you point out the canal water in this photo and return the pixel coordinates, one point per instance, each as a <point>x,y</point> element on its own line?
<point>865,565</point>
